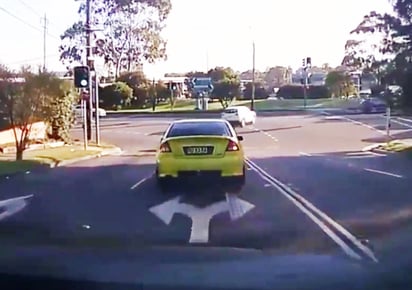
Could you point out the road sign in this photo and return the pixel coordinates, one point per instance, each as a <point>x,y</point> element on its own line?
<point>202,85</point>
<point>201,216</point>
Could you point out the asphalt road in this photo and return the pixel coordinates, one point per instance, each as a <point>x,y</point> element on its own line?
<point>307,178</point>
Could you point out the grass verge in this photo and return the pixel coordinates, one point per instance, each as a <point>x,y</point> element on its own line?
<point>46,157</point>
<point>288,104</point>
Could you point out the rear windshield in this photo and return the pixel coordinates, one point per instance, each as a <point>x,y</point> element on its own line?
<point>199,128</point>
<point>231,111</point>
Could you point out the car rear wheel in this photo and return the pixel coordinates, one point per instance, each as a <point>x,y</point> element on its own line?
<point>236,183</point>
<point>242,123</point>
<point>163,183</point>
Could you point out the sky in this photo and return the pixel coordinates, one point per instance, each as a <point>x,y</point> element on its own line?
<point>202,34</point>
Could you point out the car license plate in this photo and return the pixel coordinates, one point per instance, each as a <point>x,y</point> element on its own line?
<point>198,150</point>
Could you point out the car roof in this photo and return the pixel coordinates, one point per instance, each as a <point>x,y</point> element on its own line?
<point>199,121</point>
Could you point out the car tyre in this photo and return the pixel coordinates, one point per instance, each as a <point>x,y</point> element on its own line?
<point>238,182</point>
<point>242,123</point>
<point>163,183</point>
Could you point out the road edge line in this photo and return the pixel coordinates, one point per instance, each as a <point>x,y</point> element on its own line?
<point>292,195</point>
<point>328,231</point>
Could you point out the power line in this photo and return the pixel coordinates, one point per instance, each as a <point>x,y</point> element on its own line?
<point>19,19</point>
<point>25,22</point>
<point>30,8</point>
<point>35,12</point>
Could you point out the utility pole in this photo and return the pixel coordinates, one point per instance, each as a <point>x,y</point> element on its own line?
<point>44,20</point>
<point>252,105</point>
<point>90,65</point>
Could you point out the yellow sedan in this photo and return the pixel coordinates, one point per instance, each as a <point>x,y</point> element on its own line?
<point>200,147</point>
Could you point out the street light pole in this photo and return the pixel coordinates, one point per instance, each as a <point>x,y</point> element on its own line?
<point>253,78</point>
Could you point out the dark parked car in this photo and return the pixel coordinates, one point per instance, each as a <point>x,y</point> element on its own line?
<point>373,105</point>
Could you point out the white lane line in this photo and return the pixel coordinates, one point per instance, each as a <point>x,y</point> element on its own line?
<point>317,221</point>
<point>396,121</point>
<point>358,123</point>
<point>304,205</point>
<point>377,154</point>
<point>13,205</point>
<point>401,123</point>
<point>140,182</point>
<point>304,154</point>
<point>383,172</point>
<point>404,119</point>
<point>270,136</point>
<point>364,125</point>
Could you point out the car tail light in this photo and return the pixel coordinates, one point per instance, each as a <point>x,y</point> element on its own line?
<point>165,148</point>
<point>232,146</point>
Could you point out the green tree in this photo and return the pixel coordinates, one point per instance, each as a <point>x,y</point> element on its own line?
<point>162,91</point>
<point>396,39</point>
<point>131,33</point>
<point>260,91</point>
<point>26,102</point>
<point>116,95</point>
<point>226,85</point>
<point>140,86</point>
<point>339,84</point>
<point>61,115</point>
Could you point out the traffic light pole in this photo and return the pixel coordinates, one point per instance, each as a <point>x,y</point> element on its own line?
<point>96,114</point>
<point>305,85</point>
<point>252,105</point>
<point>89,64</point>
<point>84,115</point>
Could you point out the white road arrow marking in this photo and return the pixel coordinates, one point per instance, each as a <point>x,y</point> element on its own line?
<point>13,205</point>
<point>201,216</point>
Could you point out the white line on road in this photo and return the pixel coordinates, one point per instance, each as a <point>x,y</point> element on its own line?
<point>140,182</point>
<point>401,123</point>
<point>201,217</point>
<point>304,154</point>
<point>13,205</point>
<point>358,123</point>
<point>404,119</point>
<point>306,207</point>
<point>377,154</point>
<point>383,172</point>
<point>270,136</point>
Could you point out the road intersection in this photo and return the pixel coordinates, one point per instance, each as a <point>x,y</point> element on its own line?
<point>310,189</point>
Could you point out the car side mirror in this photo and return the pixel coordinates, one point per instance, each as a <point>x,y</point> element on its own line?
<point>240,138</point>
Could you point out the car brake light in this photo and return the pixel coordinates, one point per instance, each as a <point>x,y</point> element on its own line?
<point>165,148</point>
<point>232,146</point>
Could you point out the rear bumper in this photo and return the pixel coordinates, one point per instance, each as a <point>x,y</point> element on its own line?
<point>234,119</point>
<point>229,166</point>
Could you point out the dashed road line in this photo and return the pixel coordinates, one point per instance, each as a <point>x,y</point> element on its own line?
<point>383,172</point>
<point>304,154</point>
<point>140,182</point>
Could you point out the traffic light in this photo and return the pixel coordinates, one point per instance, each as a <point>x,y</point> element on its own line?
<point>81,76</point>
<point>303,62</point>
<point>308,61</point>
